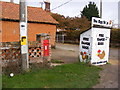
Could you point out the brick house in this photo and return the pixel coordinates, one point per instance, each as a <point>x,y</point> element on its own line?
<point>39,21</point>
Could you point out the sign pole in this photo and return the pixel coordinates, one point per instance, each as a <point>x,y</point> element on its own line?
<point>24,35</point>
<point>100,8</point>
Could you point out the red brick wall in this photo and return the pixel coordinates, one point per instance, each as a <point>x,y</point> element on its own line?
<point>35,28</point>
<point>10,31</point>
<point>0,31</point>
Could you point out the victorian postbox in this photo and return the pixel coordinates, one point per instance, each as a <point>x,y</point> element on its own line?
<point>46,47</point>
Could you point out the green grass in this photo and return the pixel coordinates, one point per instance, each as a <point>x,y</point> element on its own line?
<point>57,61</point>
<point>108,63</point>
<point>76,75</point>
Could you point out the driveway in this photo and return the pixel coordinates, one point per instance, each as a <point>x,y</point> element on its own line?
<point>67,53</point>
<point>71,51</point>
<point>108,76</point>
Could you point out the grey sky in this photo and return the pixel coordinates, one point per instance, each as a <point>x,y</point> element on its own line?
<point>73,8</point>
<point>119,14</point>
<point>110,8</point>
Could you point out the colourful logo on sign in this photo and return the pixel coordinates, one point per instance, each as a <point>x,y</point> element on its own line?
<point>23,40</point>
<point>101,54</point>
<point>84,55</point>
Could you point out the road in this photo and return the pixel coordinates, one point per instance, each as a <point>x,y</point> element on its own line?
<point>67,53</point>
<point>73,50</point>
<point>108,76</point>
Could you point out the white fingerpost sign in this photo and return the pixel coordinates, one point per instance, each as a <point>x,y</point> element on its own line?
<point>94,43</point>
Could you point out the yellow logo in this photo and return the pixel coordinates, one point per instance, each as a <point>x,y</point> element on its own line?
<point>23,40</point>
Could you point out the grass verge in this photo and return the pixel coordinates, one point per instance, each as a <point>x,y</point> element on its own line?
<point>78,75</point>
<point>57,61</point>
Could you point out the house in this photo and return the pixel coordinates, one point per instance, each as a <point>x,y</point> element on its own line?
<point>39,21</point>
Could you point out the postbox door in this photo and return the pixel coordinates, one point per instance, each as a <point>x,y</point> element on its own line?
<point>46,47</point>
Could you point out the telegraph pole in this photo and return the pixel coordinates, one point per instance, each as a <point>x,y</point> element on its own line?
<point>101,8</point>
<point>24,35</point>
<point>12,1</point>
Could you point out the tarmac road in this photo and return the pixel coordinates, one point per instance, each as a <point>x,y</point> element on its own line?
<point>108,76</point>
<point>66,52</point>
<point>73,50</point>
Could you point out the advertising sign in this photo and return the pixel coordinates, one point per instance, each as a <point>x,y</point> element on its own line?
<point>23,29</point>
<point>94,43</point>
<point>85,47</point>
<point>101,22</point>
<point>23,37</point>
<point>100,46</point>
<point>23,40</point>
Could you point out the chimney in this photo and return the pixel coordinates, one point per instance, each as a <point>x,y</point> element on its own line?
<point>47,5</point>
<point>12,1</point>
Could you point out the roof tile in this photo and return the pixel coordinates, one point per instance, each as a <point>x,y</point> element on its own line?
<point>11,11</point>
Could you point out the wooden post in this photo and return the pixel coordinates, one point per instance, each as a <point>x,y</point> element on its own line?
<point>12,1</point>
<point>23,35</point>
<point>101,8</point>
<point>63,39</point>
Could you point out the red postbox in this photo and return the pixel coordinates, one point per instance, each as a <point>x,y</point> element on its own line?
<point>46,47</point>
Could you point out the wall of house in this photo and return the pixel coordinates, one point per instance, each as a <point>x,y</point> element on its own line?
<point>10,31</point>
<point>35,28</point>
<point>0,31</point>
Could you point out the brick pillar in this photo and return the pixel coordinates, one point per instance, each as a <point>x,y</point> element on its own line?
<point>43,56</point>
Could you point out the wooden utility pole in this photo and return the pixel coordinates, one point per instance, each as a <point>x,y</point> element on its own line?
<point>12,1</point>
<point>24,35</point>
<point>119,14</point>
<point>101,8</point>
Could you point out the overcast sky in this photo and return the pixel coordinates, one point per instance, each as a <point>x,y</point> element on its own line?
<point>73,8</point>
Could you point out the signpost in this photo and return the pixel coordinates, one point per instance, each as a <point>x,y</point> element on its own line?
<point>101,8</point>
<point>94,43</point>
<point>23,35</point>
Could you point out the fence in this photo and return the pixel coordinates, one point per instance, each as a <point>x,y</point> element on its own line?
<point>64,39</point>
<point>114,40</point>
<point>35,51</point>
<point>11,56</point>
<point>114,43</point>
<point>60,38</point>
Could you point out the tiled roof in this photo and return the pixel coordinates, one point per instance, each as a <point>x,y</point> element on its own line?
<point>11,11</point>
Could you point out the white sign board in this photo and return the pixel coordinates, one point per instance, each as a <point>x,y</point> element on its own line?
<point>85,46</point>
<point>23,37</point>
<point>94,44</point>
<point>100,46</point>
<point>101,22</point>
<point>23,29</point>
